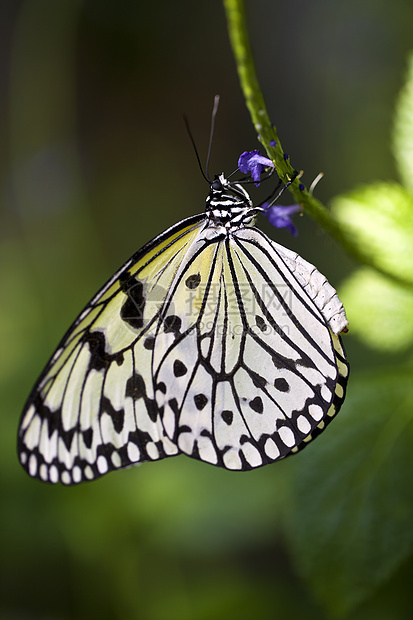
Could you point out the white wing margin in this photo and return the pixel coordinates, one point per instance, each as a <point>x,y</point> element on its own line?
<point>315,284</point>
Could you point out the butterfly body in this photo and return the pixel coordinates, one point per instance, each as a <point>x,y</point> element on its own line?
<point>212,341</point>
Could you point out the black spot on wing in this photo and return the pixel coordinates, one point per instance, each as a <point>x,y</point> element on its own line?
<point>172,324</point>
<point>152,409</point>
<point>281,362</point>
<point>258,380</point>
<point>179,368</point>
<point>88,437</point>
<point>200,401</point>
<point>261,324</point>
<point>118,417</point>
<point>99,357</point>
<point>193,281</point>
<point>67,437</point>
<point>257,405</point>
<point>227,416</point>
<point>133,307</point>
<point>149,343</point>
<point>135,387</point>
<point>173,403</point>
<point>123,279</point>
<point>281,385</point>
<point>119,358</point>
<point>161,387</point>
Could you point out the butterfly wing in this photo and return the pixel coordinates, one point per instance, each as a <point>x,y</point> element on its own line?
<point>93,409</point>
<point>253,370</point>
<point>221,346</point>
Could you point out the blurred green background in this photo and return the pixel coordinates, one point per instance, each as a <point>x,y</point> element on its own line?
<point>95,161</point>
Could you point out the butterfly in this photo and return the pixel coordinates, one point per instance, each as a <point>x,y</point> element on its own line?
<point>211,341</point>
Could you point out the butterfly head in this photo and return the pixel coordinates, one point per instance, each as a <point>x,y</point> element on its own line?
<point>228,204</point>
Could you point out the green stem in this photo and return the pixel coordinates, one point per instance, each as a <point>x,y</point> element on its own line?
<point>267,135</point>
<point>267,132</point>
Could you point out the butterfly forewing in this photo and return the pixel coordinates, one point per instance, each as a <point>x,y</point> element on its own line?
<point>93,410</point>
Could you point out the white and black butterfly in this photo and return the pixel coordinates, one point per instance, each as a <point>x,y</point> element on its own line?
<point>212,340</point>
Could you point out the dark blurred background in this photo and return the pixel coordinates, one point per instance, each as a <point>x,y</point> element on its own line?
<point>95,161</point>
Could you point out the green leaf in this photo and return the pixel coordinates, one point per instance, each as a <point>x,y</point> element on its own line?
<point>380,311</point>
<point>351,522</point>
<point>403,129</point>
<point>379,219</point>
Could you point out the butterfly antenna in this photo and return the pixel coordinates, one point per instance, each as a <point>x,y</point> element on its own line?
<point>211,133</point>
<point>196,150</point>
<point>232,174</point>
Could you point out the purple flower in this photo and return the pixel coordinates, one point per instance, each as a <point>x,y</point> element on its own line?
<point>280,217</point>
<point>252,161</point>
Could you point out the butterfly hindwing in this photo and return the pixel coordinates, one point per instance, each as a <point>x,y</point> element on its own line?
<point>253,369</point>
